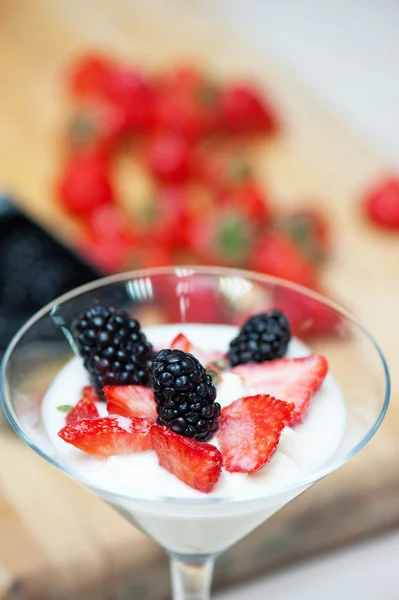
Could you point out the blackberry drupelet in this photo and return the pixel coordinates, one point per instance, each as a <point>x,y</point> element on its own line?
<point>263,337</point>
<point>114,349</point>
<point>184,395</point>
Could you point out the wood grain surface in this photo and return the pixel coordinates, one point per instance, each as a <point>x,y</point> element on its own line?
<point>56,540</point>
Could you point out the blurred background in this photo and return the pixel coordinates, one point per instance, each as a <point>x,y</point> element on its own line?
<point>261,135</point>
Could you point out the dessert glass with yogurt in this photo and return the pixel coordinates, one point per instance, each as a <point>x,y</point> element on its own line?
<point>41,372</point>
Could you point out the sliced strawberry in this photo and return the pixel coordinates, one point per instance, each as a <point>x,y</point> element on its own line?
<point>290,379</point>
<point>85,408</point>
<point>206,357</point>
<point>109,435</point>
<point>181,342</point>
<point>195,463</point>
<point>130,401</point>
<point>90,393</point>
<point>250,430</point>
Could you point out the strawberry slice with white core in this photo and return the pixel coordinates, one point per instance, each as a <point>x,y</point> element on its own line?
<point>250,430</point>
<point>205,357</point>
<point>290,379</point>
<point>108,436</point>
<point>130,401</point>
<point>85,408</point>
<point>197,464</point>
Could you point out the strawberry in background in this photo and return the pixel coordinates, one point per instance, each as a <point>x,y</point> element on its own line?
<point>244,110</point>
<point>85,184</point>
<point>381,204</point>
<point>276,254</point>
<point>96,128</point>
<point>310,229</point>
<point>109,239</point>
<point>186,102</point>
<point>100,80</point>
<point>195,141</point>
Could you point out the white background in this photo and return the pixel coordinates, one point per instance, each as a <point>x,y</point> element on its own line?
<point>348,52</point>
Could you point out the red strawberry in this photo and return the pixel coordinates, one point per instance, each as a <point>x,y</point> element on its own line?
<point>85,408</point>
<point>85,185</point>
<point>97,128</point>
<point>168,157</point>
<point>109,239</point>
<point>130,401</point>
<point>310,231</point>
<point>250,430</point>
<point>219,164</point>
<point>222,237</point>
<point>276,254</point>
<point>197,464</point>
<point>206,357</point>
<point>129,92</point>
<point>186,104</point>
<point>244,110</point>
<point>90,393</point>
<point>381,203</point>
<point>88,74</point>
<point>181,342</point>
<point>109,435</point>
<point>249,198</point>
<point>293,380</point>
<point>165,220</point>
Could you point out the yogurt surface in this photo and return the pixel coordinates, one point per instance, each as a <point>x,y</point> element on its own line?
<point>302,450</point>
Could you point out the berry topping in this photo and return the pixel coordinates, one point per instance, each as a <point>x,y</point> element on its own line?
<point>114,349</point>
<point>196,464</point>
<point>184,395</point>
<point>107,436</point>
<point>292,380</point>
<point>262,337</point>
<point>85,408</point>
<point>250,430</point>
<point>130,401</point>
<point>207,357</point>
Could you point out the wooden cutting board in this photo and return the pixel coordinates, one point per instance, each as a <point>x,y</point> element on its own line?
<point>56,540</point>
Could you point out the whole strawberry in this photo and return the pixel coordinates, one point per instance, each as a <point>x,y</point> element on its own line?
<point>96,127</point>
<point>311,232</point>
<point>244,110</point>
<point>109,239</point>
<point>249,198</point>
<point>381,203</point>
<point>85,185</point>
<point>222,163</point>
<point>168,157</point>
<point>276,254</point>
<point>186,103</point>
<point>87,76</point>
<point>224,236</point>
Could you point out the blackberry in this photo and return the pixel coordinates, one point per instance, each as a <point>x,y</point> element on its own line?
<point>262,337</point>
<point>114,349</point>
<point>184,395</point>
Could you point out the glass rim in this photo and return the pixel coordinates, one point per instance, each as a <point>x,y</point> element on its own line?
<point>185,270</point>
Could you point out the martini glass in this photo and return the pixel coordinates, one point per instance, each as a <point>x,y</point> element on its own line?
<point>195,531</point>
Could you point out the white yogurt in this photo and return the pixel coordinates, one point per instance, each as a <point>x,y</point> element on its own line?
<point>302,450</point>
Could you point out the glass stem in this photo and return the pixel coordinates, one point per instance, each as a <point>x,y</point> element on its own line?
<point>191,576</point>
